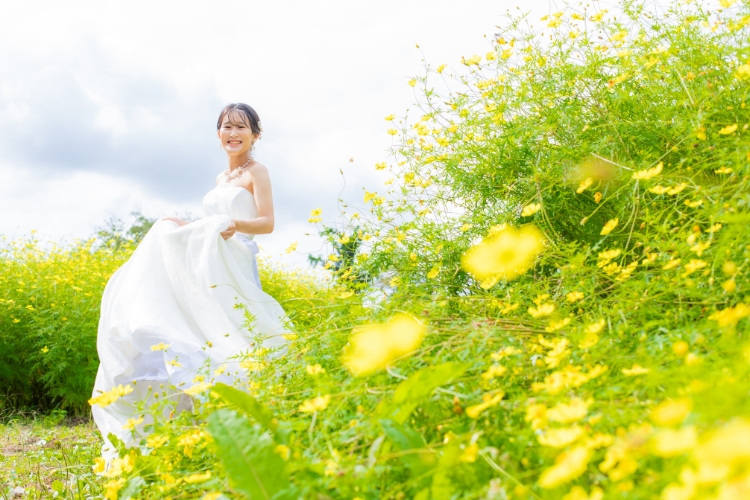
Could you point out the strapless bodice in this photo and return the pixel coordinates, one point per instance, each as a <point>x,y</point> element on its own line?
<point>234,201</point>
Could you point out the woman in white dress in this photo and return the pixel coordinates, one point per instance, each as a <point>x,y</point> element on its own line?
<point>181,302</point>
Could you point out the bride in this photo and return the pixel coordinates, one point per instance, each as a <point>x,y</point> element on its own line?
<point>189,299</point>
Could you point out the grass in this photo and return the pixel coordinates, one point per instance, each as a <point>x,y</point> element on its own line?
<point>48,457</point>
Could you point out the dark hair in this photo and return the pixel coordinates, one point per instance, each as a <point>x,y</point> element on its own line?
<point>240,113</point>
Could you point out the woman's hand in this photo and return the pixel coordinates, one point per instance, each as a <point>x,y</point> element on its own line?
<point>176,220</point>
<point>229,231</point>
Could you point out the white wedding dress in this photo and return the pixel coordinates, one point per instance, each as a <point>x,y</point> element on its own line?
<point>180,288</point>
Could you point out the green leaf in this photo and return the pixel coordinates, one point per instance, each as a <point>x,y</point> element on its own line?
<point>405,439</point>
<point>246,404</point>
<point>419,386</point>
<point>132,489</point>
<point>248,456</point>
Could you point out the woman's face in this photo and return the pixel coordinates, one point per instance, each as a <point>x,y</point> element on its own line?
<point>235,135</point>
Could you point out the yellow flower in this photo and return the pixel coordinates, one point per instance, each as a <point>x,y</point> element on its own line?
<point>283,451</point>
<point>494,371</point>
<point>372,347</point>
<point>412,82</point>
<point>671,264</point>
<point>578,493</point>
<point>669,443</point>
<point>560,438</point>
<point>221,369</point>
<point>649,173</point>
<point>658,189</point>
<point>212,495</point>
<point>743,72</point>
<point>731,315</point>
<point>635,371</point>
<point>724,170</point>
<point>570,376</point>
<point>112,487</point>
<point>726,447</point>
<point>680,348</point>
<point>161,346</point>
<point>470,453</point>
<point>369,196</point>
<point>588,181</point>
<point>120,466</point>
<point>609,226</point>
<point>672,412</point>
<point>315,369</point>
<point>319,403</point>
<point>315,212</point>
<point>44,350</point>
<point>441,68</point>
<point>554,23</point>
<point>589,340</point>
<point>155,441</point>
<point>693,204</point>
<point>531,209</point>
<point>198,478</point>
<point>490,400</point>
<point>381,166</point>
<point>292,247</point>
<point>433,272</point>
<point>100,465</point>
<point>465,228</point>
<point>729,129</point>
<point>596,327</point>
<point>727,3</point>
<point>676,189</point>
<point>598,16</point>
<point>542,310</point>
<point>568,466</point>
<point>504,255</point>
<point>132,423</point>
<point>570,412</point>
<point>197,389</point>
<point>574,296</point>
<point>109,397</point>
<point>557,325</point>
<point>390,117</point>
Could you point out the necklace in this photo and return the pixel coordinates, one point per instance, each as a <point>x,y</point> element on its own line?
<point>229,176</point>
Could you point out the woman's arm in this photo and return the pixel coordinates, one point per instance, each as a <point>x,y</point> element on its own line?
<point>263,224</point>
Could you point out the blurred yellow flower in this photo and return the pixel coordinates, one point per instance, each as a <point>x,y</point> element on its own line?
<point>566,413</point>
<point>578,493</point>
<point>649,173</point>
<point>315,369</point>
<point>490,400</point>
<point>372,347</point>
<point>531,209</point>
<point>568,466</point>
<point>381,166</point>
<point>283,451</point>
<point>584,185</point>
<point>542,310</point>
<point>635,371</point>
<point>291,248</point>
<point>560,438</point>
<point>671,412</point>
<point>504,255</point>
<point>494,371</point>
<point>155,441</point>
<point>441,68</point>
<point>197,389</point>
<point>319,403</point>
<point>132,423</point>
<point>390,117</point>
<point>671,264</point>
<point>111,488</point>
<point>669,443</point>
<point>574,296</point>
<point>433,272</point>
<point>198,478</point>
<point>100,465</point>
<point>729,129</point>
<point>109,397</point>
<point>731,315</point>
<point>161,346</point>
<point>609,226</point>
<point>412,82</point>
<point>392,131</point>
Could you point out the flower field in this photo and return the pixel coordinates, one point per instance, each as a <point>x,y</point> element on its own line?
<point>548,299</point>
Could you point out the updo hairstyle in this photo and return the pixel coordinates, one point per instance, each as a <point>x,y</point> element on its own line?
<point>240,113</point>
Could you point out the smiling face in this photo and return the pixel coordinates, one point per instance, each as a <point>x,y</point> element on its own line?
<point>235,134</point>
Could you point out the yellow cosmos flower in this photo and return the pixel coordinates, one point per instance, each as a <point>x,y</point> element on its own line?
<point>494,371</point>
<point>197,389</point>
<point>574,296</point>
<point>649,173</point>
<point>609,226</point>
<point>504,255</point>
<point>671,264</point>
<point>433,272</point>
<point>568,466</point>
<point>531,209</point>
<point>566,413</point>
<point>109,397</point>
<point>100,465</point>
<point>584,185</point>
<point>490,400</point>
<point>381,165</point>
<point>670,443</point>
<point>729,129</point>
<point>672,412</point>
<point>390,117</point>
<point>412,82</point>
<point>635,371</point>
<point>283,451</point>
<point>213,495</point>
<point>372,347</point>
<point>392,131</point>
<point>731,315</point>
<point>291,248</point>
<point>198,478</point>
<point>319,403</point>
<point>441,68</point>
<point>132,423</point>
<point>111,488</point>
<point>542,310</point>
<point>161,346</point>
<point>315,369</point>
<point>155,441</point>
<point>560,438</point>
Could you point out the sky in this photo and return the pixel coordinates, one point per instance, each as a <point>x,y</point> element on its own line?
<point>107,107</point>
